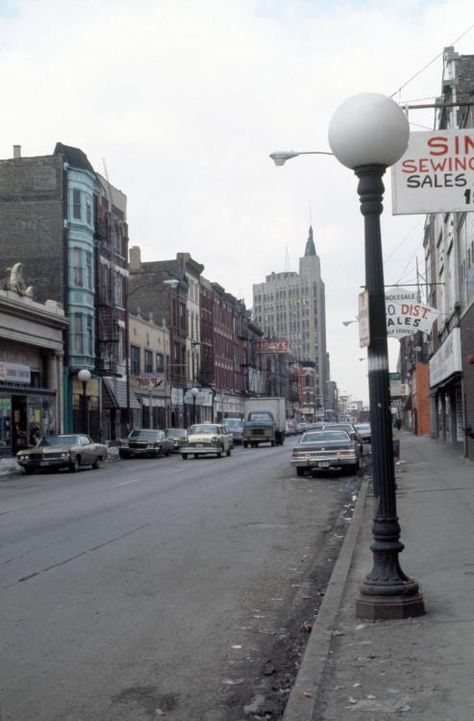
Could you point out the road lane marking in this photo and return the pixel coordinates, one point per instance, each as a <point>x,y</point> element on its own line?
<point>125,483</point>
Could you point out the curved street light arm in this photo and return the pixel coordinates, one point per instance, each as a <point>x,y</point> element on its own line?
<point>280,157</point>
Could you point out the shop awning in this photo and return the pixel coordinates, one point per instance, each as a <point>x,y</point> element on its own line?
<point>117,389</point>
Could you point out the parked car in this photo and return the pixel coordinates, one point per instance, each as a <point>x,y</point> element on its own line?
<point>363,429</point>
<point>291,427</point>
<point>348,427</point>
<point>179,436</point>
<point>145,442</point>
<point>63,451</point>
<point>326,449</point>
<point>235,426</point>
<point>206,439</point>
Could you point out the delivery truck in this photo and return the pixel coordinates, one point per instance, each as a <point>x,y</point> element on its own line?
<point>264,421</point>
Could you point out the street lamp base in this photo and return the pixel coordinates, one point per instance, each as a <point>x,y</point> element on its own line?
<point>381,607</point>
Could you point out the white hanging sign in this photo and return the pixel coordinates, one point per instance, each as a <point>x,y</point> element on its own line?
<point>405,314</point>
<point>436,173</point>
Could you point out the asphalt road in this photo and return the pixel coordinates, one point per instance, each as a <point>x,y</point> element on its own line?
<point>156,588</point>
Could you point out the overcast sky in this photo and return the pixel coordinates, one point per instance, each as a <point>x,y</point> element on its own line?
<point>185,99</point>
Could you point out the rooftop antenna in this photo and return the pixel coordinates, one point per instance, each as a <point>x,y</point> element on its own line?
<point>287,260</point>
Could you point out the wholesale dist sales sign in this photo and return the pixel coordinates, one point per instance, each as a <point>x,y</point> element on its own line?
<point>436,173</point>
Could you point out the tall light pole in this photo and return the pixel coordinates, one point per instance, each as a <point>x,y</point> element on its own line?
<point>368,133</point>
<point>84,376</point>
<point>194,393</point>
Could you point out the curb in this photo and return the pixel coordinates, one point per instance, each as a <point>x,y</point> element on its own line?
<point>303,696</point>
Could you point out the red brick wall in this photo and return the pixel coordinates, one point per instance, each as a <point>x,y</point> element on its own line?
<point>421,400</point>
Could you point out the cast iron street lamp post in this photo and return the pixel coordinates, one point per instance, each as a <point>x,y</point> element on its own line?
<point>194,392</point>
<point>84,376</point>
<point>368,133</point>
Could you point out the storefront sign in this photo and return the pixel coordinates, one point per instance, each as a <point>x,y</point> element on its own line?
<point>436,173</point>
<point>203,398</point>
<point>271,346</point>
<point>151,379</point>
<point>155,402</point>
<point>405,314</point>
<point>176,396</point>
<point>447,360</point>
<point>395,382</point>
<point>15,373</point>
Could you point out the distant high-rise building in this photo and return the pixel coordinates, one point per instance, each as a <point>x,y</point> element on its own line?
<point>291,306</point>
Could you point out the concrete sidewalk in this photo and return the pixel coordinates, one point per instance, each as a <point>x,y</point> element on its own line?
<point>414,669</point>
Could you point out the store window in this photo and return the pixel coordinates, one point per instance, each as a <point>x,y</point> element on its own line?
<point>41,420</point>
<point>5,425</point>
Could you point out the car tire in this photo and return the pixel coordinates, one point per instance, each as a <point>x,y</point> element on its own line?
<point>97,463</point>
<point>28,471</point>
<point>195,455</point>
<point>74,466</point>
<point>220,453</point>
<point>245,445</point>
<point>300,471</point>
<point>272,443</point>
<point>184,456</point>
<point>229,451</point>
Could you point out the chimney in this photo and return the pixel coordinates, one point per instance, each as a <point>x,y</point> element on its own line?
<point>135,259</point>
<point>17,151</point>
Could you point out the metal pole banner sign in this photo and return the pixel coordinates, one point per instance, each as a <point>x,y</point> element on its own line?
<point>406,314</point>
<point>436,173</point>
<point>363,318</point>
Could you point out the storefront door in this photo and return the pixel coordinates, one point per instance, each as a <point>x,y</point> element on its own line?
<point>19,423</point>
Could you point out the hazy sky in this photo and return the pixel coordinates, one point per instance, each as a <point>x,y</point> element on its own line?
<point>185,99</point>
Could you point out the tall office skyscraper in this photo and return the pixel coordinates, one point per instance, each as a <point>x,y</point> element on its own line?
<point>291,306</point>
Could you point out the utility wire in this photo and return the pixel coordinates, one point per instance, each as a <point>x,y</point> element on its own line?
<point>407,268</point>
<point>415,227</point>
<point>430,62</point>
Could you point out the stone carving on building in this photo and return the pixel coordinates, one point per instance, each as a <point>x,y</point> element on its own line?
<point>16,282</point>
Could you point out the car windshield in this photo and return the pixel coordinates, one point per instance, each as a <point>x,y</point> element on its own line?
<point>325,437</point>
<point>144,435</point>
<point>205,428</point>
<point>340,427</point>
<point>362,426</point>
<point>233,423</point>
<point>60,441</point>
<point>175,432</point>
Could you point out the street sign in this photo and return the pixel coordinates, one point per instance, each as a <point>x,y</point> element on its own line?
<point>436,173</point>
<point>405,314</point>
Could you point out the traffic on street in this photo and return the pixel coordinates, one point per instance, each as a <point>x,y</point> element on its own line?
<point>162,587</point>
